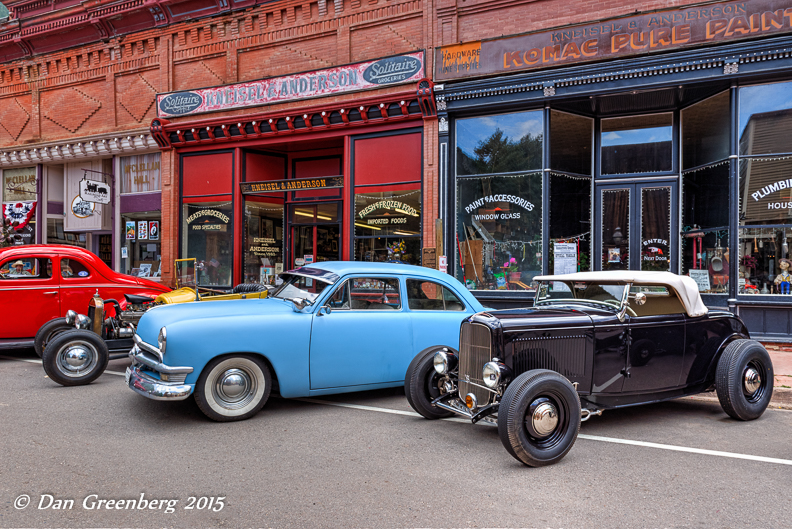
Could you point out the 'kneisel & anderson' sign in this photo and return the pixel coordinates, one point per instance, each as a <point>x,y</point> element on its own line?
<point>620,37</point>
<point>293,184</point>
<point>350,78</point>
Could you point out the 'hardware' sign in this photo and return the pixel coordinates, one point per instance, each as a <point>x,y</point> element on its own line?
<point>350,78</point>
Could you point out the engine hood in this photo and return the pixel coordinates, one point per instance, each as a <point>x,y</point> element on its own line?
<point>164,315</point>
<point>535,318</point>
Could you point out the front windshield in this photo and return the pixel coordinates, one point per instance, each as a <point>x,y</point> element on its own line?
<point>300,287</point>
<point>566,291</point>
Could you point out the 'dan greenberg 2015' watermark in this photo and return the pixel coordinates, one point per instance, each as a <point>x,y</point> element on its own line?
<point>95,502</point>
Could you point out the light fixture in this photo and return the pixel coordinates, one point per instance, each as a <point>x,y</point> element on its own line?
<point>618,236</point>
<point>367,226</point>
<point>403,233</point>
<point>304,214</point>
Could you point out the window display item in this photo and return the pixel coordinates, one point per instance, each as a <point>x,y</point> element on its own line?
<point>784,279</point>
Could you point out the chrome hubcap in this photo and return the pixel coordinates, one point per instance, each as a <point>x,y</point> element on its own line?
<point>234,388</point>
<point>76,359</point>
<point>752,380</point>
<point>543,418</point>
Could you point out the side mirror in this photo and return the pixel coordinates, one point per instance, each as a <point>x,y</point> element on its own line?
<point>640,298</point>
<point>323,311</point>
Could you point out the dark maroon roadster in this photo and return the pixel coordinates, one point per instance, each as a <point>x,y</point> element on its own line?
<point>593,341</point>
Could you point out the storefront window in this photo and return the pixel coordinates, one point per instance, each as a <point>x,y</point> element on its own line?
<point>141,251</point>
<point>765,261</point>
<point>140,174</point>
<point>571,138</point>
<point>616,229</point>
<point>765,119</point>
<point>207,235</point>
<point>499,144</point>
<point>263,253</point>
<point>20,201</point>
<point>388,224</point>
<point>499,226</point>
<point>705,131</point>
<point>56,234</point>
<point>636,144</point>
<point>570,223</point>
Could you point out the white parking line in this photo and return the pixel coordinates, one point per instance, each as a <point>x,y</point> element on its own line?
<point>34,361</point>
<point>674,448</point>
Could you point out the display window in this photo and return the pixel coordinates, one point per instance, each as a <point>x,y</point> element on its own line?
<point>57,235</point>
<point>388,224</point>
<point>207,235</point>
<point>141,247</point>
<point>19,196</point>
<point>500,143</point>
<point>264,238</point>
<point>636,144</point>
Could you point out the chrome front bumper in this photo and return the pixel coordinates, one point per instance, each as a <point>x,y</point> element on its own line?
<point>155,389</point>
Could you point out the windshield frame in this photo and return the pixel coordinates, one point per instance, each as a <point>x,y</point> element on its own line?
<point>325,277</point>
<point>571,284</point>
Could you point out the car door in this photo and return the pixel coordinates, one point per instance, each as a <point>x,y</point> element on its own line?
<point>79,282</point>
<point>366,338</point>
<point>657,342</point>
<point>436,313</point>
<point>29,294</point>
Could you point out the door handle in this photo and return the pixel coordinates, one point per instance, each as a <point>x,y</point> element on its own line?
<point>50,293</point>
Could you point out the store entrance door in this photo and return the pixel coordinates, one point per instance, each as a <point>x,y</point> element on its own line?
<point>638,226</point>
<point>315,232</point>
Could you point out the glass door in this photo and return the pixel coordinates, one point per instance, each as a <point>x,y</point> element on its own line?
<point>638,226</point>
<point>315,233</point>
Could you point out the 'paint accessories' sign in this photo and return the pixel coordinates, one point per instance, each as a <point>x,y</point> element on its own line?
<point>350,78</point>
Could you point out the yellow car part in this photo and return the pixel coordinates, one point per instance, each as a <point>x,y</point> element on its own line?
<point>186,294</point>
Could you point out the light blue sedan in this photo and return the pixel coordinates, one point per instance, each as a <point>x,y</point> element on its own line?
<point>331,327</point>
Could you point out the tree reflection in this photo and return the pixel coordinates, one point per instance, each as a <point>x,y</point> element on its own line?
<point>499,154</point>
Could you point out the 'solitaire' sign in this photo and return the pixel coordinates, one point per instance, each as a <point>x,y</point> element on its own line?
<point>640,34</point>
<point>293,184</point>
<point>350,78</point>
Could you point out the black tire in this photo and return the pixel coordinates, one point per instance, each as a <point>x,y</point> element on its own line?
<point>421,384</point>
<point>47,332</point>
<point>222,403</point>
<point>542,389</point>
<point>641,352</point>
<point>75,358</point>
<point>739,400</point>
<point>248,288</point>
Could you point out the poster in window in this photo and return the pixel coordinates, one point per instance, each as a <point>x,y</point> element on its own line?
<point>153,230</point>
<point>142,230</point>
<point>130,230</point>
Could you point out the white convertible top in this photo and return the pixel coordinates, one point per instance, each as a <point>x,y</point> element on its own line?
<point>684,286</point>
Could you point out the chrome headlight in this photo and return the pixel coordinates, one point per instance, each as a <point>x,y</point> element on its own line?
<point>70,317</point>
<point>494,373</point>
<point>161,340</point>
<point>444,361</point>
<point>82,321</point>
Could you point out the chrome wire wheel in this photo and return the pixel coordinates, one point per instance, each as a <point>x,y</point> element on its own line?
<point>235,388</point>
<point>76,359</point>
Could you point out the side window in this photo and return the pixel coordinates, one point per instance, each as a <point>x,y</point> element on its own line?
<point>427,295</point>
<point>376,293</point>
<point>340,298</point>
<point>26,268</point>
<point>73,268</point>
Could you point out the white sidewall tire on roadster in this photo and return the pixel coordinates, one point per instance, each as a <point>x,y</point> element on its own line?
<point>233,388</point>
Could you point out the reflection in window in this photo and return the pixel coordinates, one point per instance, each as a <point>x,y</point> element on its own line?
<point>388,224</point>
<point>499,226</point>
<point>263,245</point>
<point>208,236</point>
<point>765,191</point>
<point>427,295</point>
<point>499,144</point>
<point>27,268</point>
<point>766,119</point>
<point>570,223</point>
<point>705,131</point>
<point>636,144</point>
<point>374,294</point>
<point>764,261</point>
<point>571,137</point>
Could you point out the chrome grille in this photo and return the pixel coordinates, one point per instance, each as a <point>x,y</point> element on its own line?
<point>475,350</point>
<point>563,354</point>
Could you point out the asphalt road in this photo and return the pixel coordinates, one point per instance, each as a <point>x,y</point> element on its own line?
<point>312,464</point>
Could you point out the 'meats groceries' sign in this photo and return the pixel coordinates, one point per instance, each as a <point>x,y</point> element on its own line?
<point>350,78</point>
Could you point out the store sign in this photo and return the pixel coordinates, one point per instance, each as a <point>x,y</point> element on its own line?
<point>140,173</point>
<point>395,205</point>
<point>209,224</point>
<point>496,214</point>
<point>622,37</point>
<point>20,212</point>
<point>294,184</point>
<point>342,79</point>
<point>702,279</point>
<point>92,191</point>
<point>655,250</point>
<point>19,184</point>
<point>82,209</point>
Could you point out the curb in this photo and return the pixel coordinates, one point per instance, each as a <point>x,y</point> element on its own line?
<point>782,398</point>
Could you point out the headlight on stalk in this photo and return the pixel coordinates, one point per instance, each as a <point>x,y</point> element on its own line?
<point>494,373</point>
<point>444,361</point>
<point>70,317</point>
<point>82,321</point>
<point>161,339</point>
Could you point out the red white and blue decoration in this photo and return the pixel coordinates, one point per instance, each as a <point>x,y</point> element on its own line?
<point>20,212</point>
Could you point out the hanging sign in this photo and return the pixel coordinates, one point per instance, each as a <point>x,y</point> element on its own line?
<point>20,212</point>
<point>82,209</point>
<point>349,78</point>
<point>657,31</point>
<point>92,191</point>
<point>293,184</point>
